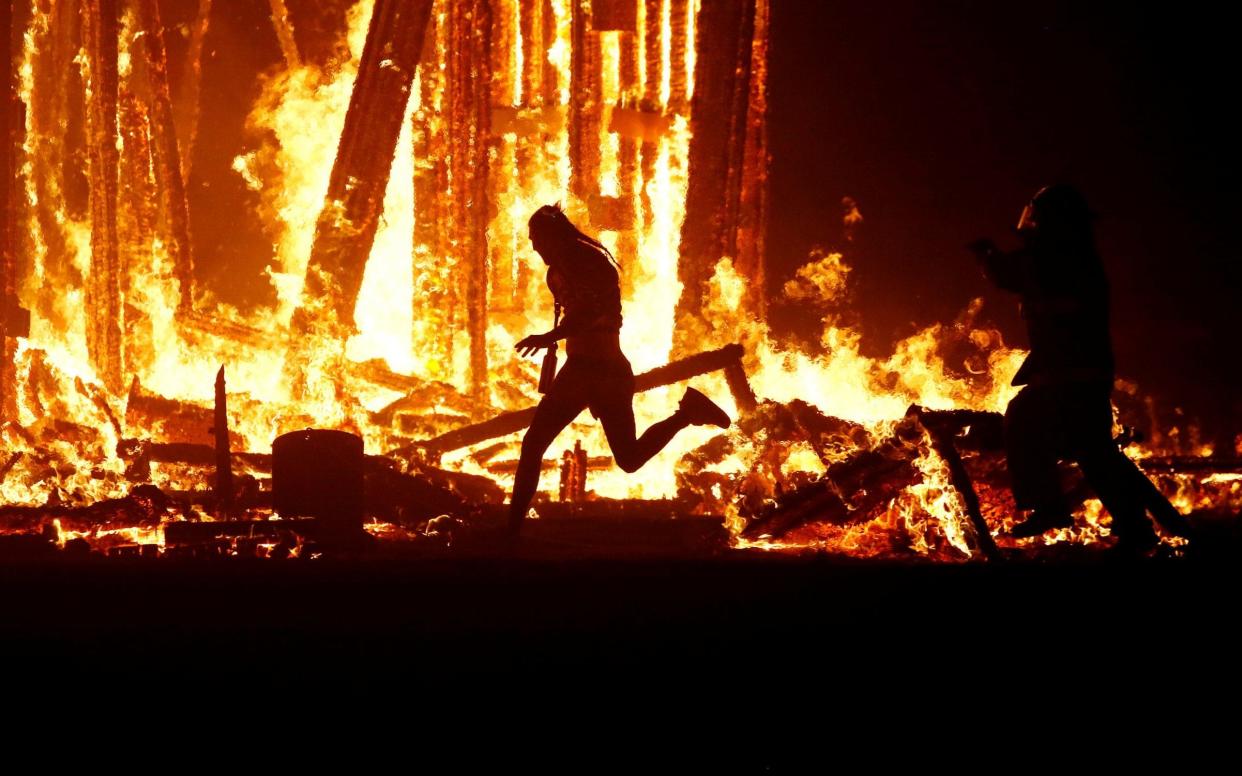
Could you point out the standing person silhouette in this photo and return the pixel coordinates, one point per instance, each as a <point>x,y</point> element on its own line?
<point>1064,409</point>
<point>583,279</point>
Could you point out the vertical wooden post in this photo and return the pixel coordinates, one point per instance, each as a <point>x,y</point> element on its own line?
<point>284,34</point>
<point>346,226</point>
<point>551,80</point>
<point>725,33</point>
<point>501,154</point>
<point>436,304</point>
<point>10,109</point>
<point>138,214</point>
<point>103,288</point>
<point>628,161</point>
<point>752,213</point>
<point>57,150</point>
<point>650,150</point>
<point>188,97</point>
<point>583,110</point>
<point>468,95</point>
<point>166,154</point>
<point>679,33</point>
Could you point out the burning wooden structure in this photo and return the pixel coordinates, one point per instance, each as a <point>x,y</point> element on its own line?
<point>390,158</point>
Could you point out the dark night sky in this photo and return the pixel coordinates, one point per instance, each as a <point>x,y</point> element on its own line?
<point>942,118</point>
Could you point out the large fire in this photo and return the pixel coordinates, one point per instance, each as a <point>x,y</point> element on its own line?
<point>513,105</point>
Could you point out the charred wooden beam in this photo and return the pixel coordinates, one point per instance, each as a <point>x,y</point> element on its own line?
<point>628,161</point>
<point>168,419</point>
<point>650,104</point>
<point>167,155</point>
<point>284,34</point>
<point>468,94</point>
<point>224,460</point>
<point>57,151</point>
<point>188,95</point>
<point>187,453</point>
<point>752,184</point>
<point>584,103</point>
<point>718,124</point>
<point>436,303</point>
<point>10,110</point>
<point>512,422</point>
<point>103,287</point>
<point>551,76</point>
<point>346,226</point>
<point>595,463</point>
<point>942,435</point>
<point>533,52</point>
<point>1192,464</point>
<point>679,41</point>
<point>145,506</point>
<point>853,490</point>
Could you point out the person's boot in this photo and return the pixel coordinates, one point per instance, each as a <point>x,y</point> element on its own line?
<point>702,411</point>
<point>1042,521</point>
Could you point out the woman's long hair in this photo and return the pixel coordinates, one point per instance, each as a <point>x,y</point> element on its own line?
<point>552,221</point>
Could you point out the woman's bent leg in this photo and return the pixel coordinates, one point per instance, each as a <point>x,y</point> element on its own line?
<point>630,453</point>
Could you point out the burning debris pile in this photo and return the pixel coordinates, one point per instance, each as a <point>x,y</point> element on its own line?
<point>391,159</point>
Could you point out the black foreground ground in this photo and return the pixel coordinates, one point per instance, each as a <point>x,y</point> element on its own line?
<point>739,625</point>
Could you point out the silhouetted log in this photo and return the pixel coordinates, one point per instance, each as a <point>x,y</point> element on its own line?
<point>224,460</point>
<point>166,153</point>
<point>103,286</point>
<point>186,453</point>
<point>512,422</point>
<point>584,103</point>
<point>853,490</point>
<point>594,463</point>
<point>724,35</point>
<point>169,420</point>
<point>346,226</point>
<point>1186,464</point>
<point>145,506</point>
<point>468,97</point>
<point>184,532</point>
<point>942,431</point>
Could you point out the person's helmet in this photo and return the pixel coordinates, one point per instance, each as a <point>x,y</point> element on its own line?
<point>1059,207</point>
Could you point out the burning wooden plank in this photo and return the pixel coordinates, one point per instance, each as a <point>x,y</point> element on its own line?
<point>942,431</point>
<point>167,156</point>
<point>57,150</point>
<point>468,124</point>
<point>512,422</point>
<point>725,33</point>
<point>584,102</point>
<point>103,286</point>
<point>346,226</point>
<point>9,111</point>
<point>224,460</point>
<point>188,95</point>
